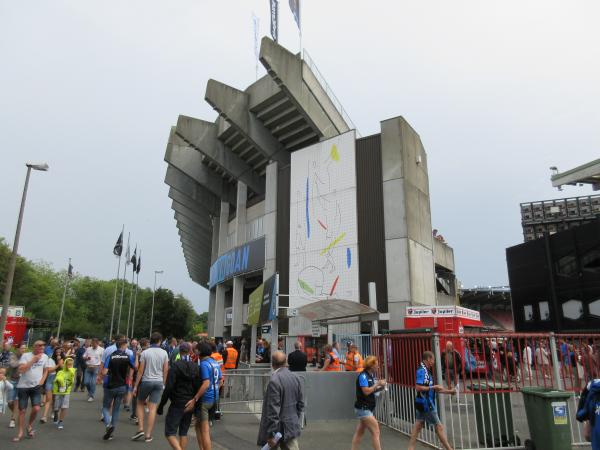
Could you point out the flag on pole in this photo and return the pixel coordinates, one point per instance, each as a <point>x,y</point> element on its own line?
<point>70,270</point>
<point>128,255</point>
<point>134,259</point>
<point>118,246</point>
<point>139,263</point>
<point>274,19</point>
<point>295,7</point>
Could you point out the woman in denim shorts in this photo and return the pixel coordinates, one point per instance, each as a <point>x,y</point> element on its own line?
<point>368,387</point>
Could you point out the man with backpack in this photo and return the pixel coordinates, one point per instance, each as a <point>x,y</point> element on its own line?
<point>588,412</point>
<point>183,382</point>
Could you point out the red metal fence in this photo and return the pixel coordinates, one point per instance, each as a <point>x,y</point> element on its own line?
<point>490,366</point>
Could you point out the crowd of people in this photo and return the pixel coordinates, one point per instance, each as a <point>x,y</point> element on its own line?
<point>141,377</point>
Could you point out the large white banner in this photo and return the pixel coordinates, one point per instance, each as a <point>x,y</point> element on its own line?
<point>323,222</point>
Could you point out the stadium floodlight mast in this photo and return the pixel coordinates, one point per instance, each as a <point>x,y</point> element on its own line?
<point>43,167</point>
<point>156,272</point>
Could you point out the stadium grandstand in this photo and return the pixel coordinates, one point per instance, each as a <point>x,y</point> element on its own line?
<point>493,303</point>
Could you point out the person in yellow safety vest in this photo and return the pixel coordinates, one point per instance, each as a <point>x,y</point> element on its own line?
<point>354,361</point>
<point>232,356</point>
<point>332,362</point>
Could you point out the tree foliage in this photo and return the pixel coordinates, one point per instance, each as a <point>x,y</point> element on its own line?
<point>89,301</point>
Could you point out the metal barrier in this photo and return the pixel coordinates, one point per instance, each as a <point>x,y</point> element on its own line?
<point>487,371</point>
<point>243,390</point>
<point>323,82</point>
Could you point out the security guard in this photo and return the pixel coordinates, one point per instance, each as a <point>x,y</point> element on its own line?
<point>232,356</point>
<point>332,362</point>
<point>354,361</point>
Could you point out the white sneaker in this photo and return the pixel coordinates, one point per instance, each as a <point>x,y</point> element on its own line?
<point>12,423</point>
<point>90,399</point>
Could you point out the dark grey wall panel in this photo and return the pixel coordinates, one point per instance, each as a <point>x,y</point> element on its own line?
<point>371,236</point>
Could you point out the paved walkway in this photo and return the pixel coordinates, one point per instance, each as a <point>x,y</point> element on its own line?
<point>83,430</point>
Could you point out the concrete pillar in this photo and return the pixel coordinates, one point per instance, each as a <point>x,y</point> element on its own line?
<point>220,310</point>
<point>270,219</point>
<point>212,296</point>
<point>270,229</point>
<point>219,317</point>
<point>407,220</point>
<point>238,282</point>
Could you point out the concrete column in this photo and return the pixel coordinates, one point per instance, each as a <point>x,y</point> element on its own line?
<point>270,229</point>
<point>212,296</point>
<point>407,220</point>
<point>270,219</point>
<point>220,310</point>
<point>219,317</point>
<point>238,282</point>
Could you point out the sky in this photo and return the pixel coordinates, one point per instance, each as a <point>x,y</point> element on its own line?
<point>498,92</point>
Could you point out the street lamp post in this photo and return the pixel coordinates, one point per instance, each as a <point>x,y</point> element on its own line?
<point>13,257</point>
<point>156,272</point>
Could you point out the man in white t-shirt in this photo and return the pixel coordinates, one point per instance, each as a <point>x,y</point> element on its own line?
<point>149,384</point>
<point>33,367</point>
<point>93,359</point>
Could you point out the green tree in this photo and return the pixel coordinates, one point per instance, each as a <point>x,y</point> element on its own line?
<point>89,301</point>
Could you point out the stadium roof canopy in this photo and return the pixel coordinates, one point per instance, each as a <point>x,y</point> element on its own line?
<point>588,173</point>
<point>338,311</point>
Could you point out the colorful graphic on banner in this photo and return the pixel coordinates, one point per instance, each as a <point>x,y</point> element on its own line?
<point>323,222</point>
<point>254,303</point>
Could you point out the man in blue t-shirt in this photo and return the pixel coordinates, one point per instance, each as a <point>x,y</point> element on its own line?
<point>208,394</point>
<point>425,407</point>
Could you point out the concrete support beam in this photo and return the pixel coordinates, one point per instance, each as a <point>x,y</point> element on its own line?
<point>407,220</point>
<point>233,105</point>
<point>189,161</point>
<point>221,288</point>
<point>296,79</point>
<point>223,227</point>
<point>184,184</point>
<point>203,223</point>
<point>219,321</point>
<point>196,206</point>
<point>238,282</point>
<point>212,297</point>
<point>202,136</point>
<point>270,219</point>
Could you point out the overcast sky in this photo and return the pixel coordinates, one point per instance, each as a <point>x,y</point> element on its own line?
<point>498,92</point>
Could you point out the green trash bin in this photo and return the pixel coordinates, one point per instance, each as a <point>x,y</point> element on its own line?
<point>548,418</point>
<point>493,414</point>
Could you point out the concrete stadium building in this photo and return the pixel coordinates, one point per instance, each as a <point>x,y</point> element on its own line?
<point>281,183</point>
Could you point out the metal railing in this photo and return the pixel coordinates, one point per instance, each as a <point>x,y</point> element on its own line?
<point>323,82</point>
<point>243,390</point>
<point>487,372</point>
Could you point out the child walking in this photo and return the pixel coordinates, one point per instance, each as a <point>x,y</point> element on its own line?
<point>6,388</point>
<point>61,389</point>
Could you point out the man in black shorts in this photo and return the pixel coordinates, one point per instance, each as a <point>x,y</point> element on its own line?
<point>183,382</point>
<point>119,366</point>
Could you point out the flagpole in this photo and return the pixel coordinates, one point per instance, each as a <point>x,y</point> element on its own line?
<point>130,296</point>
<point>62,305</point>
<point>137,282</point>
<point>123,286</point>
<point>112,319</point>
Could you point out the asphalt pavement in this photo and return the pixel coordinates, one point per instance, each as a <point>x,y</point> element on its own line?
<point>83,430</point>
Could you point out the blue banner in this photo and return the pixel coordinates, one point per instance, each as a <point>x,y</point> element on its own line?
<point>246,258</point>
